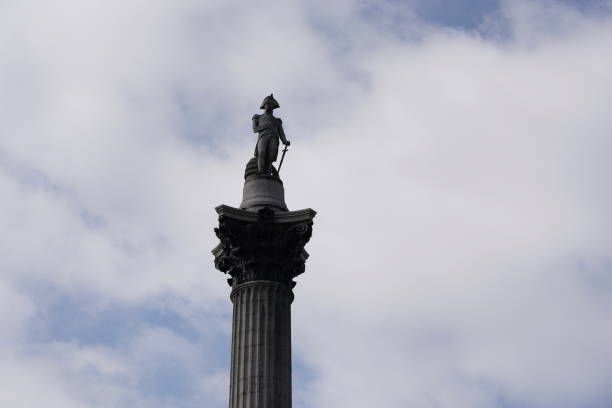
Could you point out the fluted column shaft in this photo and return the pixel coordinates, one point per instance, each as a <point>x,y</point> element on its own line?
<point>261,345</point>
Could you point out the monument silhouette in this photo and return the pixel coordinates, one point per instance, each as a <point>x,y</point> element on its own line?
<point>261,248</point>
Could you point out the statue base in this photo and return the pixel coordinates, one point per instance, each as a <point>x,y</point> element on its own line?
<point>261,191</point>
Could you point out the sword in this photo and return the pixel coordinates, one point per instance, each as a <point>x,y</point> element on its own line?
<point>282,158</point>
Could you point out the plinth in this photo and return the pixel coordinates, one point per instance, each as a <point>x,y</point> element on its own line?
<point>263,191</point>
<point>262,250</point>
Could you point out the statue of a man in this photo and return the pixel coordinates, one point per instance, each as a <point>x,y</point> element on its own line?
<point>270,129</point>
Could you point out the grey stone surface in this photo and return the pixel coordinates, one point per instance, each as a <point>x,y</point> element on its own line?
<point>263,191</point>
<point>260,375</point>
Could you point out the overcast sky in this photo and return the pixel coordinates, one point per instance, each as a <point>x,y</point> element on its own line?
<point>458,153</point>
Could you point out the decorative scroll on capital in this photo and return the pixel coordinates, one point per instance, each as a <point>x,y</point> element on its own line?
<point>262,245</point>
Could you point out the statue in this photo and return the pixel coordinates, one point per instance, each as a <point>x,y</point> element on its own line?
<point>270,130</point>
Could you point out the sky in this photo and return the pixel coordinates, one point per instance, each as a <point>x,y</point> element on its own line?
<point>458,155</point>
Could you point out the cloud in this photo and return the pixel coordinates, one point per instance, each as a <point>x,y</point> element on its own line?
<point>459,167</point>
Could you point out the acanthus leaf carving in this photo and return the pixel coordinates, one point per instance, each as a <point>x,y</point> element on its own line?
<point>262,249</point>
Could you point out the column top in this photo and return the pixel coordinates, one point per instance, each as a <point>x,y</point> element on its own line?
<point>263,245</point>
<point>266,214</point>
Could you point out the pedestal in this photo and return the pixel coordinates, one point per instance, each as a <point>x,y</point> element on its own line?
<point>263,191</point>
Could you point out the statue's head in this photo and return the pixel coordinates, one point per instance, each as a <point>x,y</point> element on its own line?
<point>269,103</point>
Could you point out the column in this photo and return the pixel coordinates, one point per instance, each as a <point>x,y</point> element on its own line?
<point>261,346</point>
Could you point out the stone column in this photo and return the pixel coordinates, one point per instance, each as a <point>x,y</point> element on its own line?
<point>262,250</point>
<point>261,346</point>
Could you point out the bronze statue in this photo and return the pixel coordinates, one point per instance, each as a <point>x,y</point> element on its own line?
<point>270,129</point>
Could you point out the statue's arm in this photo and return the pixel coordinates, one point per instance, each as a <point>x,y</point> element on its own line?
<point>256,123</point>
<point>281,133</point>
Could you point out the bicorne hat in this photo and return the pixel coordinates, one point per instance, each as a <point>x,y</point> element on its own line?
<point>269,100</point>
